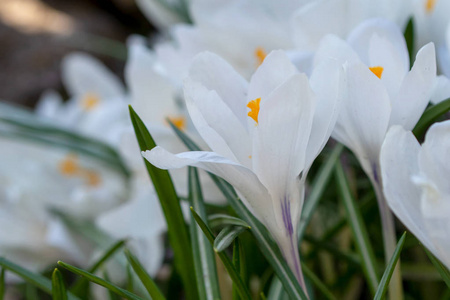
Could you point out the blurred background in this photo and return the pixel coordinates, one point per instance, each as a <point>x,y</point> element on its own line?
<point>36,34</point>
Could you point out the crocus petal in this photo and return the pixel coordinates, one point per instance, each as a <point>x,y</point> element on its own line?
<point>216,123</point>
<point>331,46</point>
<point>84,74</point>
<point>216,74</point>
<point>441,90</point>
<point>152,95</point>
<point>327,82</point>
<point>363,120</point>
<point>242,179</point>
<point>416,89</point>
<point>274,71</point>
<point>282,134</point>
<point>398,161</point>
<point>49,105</point>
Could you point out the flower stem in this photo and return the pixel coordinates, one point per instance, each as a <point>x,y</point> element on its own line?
<point>389,238</point>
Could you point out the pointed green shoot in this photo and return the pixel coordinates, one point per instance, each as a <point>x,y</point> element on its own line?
<point>222,220</point>
<point>227,236</point>
<point>58,286</point>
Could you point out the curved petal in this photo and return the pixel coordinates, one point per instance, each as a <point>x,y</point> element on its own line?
<point>214,73</point>
<point>364,116</point>
<point>282,134</point>
<point>399,162</point>
<point>216,123</point>
<point>242,179</point>
<point>331,46</point>
<point>82,74</point>
<point>49,104</point>
<point>416,90</point>
<point>273,72</point>
<point>441,90</point>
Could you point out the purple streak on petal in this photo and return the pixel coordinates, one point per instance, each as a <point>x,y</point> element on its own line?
<point>286,211</point>
<point>375,173</point>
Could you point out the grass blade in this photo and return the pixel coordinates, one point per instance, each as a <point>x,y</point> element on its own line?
<point>430,115</point>
<point>217,220</point>
<point>244,293</point>
<point>2,283</point>
<point>317,282</point>
<point>443,271</point>
<point>239,265</point>
<point>204,259</point>
<point>146,280</point>
<point>269,249</point>
<point>409,38</point>
<point>319,185</point>
<point>227,236</point>
<point>384,283</point>
<point>359,230</point>
<point>97,280</point>
<point>177,231</point>
<point>58,286</point>
<point>80,287</point>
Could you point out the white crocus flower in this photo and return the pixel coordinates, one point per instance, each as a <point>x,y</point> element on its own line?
<point>416,184</point>
<point>265,153</point>
<point>381,92</point>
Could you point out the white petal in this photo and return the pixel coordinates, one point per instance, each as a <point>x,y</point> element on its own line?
<point>216,123</point>
<point>242,179</point>
<point>364,116</point>
<point>332,46</point>
<point>49,105</point>
<point>216,74</point>
<point>82,74</point>
<point>152,94</point>
<point>282,133</point>
<point>399,162</point>
<point>327,82</point>
<point>274,71</point>
<point>441,90</point>
<point>360,38</point>
<point>416,90</point>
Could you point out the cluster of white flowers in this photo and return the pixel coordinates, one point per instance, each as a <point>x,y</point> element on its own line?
<point>261,86</point>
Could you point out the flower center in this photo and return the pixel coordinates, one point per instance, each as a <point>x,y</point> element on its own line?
<point>378,71</point>
<point>429,5</point>
<point>70,167</point>
<point>179,122</point>
<point>260,55</point>
<point>254,109</point>
<point>90,101</point>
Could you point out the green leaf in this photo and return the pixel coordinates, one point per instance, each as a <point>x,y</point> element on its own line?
<point>130,283</point>
<point>111,294</point>
<point>239,265</point>
<point>97,280</point>
<point>227,236</point>
<point>244,293</point>
<point>33,279</point>
<point>319,185</point>
<point>430,115</point>
<point>317,282</point>
<point>359,230</point>
<point>204,259</point>
<point>31,293</point>
<point>217,220</point>
<point>58,286</point>
<point>80,287</point>
<point>409,39</point>
<point>2,283</point>
<point>443,271</point>
<point>177,231</point>
<point>384,283</point>
<point>146,280</point>
<point>269,249</point>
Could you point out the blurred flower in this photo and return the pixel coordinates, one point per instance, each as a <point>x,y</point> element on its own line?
<point>416,184</point>
<point>265,153</point>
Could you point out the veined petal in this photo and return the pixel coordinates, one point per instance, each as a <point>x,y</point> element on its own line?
<point>364,117</point>
<point>152,94</point>
<point>242,179</point>
<point>415,90</point>
<point>361,36</point>
<point>83,74</point>
<point>274,71</point>
<point>216,123</point>
<point>216,74</point>
<point>327,82</point>
<point>399,162</point>
<point>282,134</point>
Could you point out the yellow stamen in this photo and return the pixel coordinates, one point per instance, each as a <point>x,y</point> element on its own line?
<point>92,178</point>
<point>179,122</point>
<point>429,5</point>
<point>90,101</point>
<point>378,71</point>
<point>69,165</point>
<point>254,109</point>
<point>250,156</point>
<point>260,54</point>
